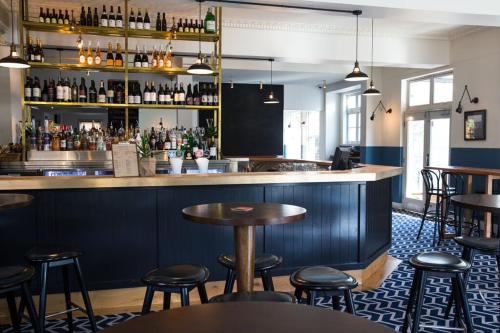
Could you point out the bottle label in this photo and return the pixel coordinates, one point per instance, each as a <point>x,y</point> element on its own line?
<point>147,26</point>
<point>161,98</point>
<point>168,98</point>
<point>111,23</point>
<point>213,151</point>
<point>119,23</point>
<point>137,64</point>
<point>161,63</point>
<point>41,19</point>
<point>90,60</point>
<point>97,60</point>
<point>82,59</point>
<point>60,21</point>
<point>216,99</point>
<point>66,21</point>
<point>204,99</point>
<point>147,97</point>
<point>38,57</point>
<point>210,26</point>
<point>210,99</point>
<point>152,97</point>
<point>59,93</point>
<point>137,99</point>
<point>101,98</point>
<point>182,97</point>
<point>63,144</point>
<point>37,92</point>
<point>154,63</point>
<point>47,20</point>
<point>32,57</point>
<point>169,63</point>
<point>27,92</point>
<point>145,64</point>
<point>131,99</point>
<point>176,97</point>
<point>110,93</point>
<point>140,25</point>
<point>131,25</point>
<point>66,93</point>
<point>82,95</point>
<point>104,22</point>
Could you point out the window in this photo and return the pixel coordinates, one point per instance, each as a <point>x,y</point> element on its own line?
<point>435,89</point>
<point>443,88</point>
<point>420,92</point>
<point>301,134</point>
<point>352,118</point>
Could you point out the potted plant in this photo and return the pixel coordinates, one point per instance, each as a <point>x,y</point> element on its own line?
<point>147,161</point>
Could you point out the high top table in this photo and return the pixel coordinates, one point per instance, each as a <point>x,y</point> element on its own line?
<point>487,203</point>
<point>243,217</point>
<point>249,317</point>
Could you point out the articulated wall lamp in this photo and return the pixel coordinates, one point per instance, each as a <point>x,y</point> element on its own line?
<point>474,100</point>
<point>380,106</point>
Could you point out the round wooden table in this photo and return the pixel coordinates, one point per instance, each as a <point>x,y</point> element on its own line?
<point>249,317</point>
<point>489,203</point>
<point>244,217</point>
<point>14,200</point>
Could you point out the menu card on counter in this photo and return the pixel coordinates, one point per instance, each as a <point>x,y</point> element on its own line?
<point>125,163</point>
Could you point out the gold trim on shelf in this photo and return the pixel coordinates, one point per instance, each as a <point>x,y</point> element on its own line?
<point>114,105</point>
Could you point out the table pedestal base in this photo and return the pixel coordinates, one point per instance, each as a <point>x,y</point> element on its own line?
<point>244,242</point>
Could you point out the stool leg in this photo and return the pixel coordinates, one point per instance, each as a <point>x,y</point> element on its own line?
<point>184,297</point>
<point>426,210</point>
<point>336,302</point>
<point>420,289</point>
<point>267,280</point>
<point>28,300</point>
<point>166,301</point>
<point>349,302</point>
<point>148,299</point>
<point>230,278</point>
<point>465,303</point>
<point>411,302</point>
<point>11,301</point>
<point>298,294</point>
<point>458,303</point>
<point>67,297</point>
<point>85,294</point>
<point>203,293</point>
<point>43,296</point>
<point>311,296</point>
<point>468,255</point>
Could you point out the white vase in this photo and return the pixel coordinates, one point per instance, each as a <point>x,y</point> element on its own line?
<point>202,164</point>
<point>176,165</point>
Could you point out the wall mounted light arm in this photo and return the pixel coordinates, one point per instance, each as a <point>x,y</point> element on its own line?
<point>380,106</point>
<point>474,100</point>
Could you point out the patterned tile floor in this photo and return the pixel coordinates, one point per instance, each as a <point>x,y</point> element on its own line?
<point>387,304</point>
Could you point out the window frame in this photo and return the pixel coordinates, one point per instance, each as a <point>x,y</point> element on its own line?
<point>345,114</point>
<point>431,105</point>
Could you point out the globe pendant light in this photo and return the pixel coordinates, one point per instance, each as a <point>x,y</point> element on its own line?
<point>13,60</point>
<point>371,91</point>
<point>199,67</point>
<point>356,74</point>
<point>271,99</point>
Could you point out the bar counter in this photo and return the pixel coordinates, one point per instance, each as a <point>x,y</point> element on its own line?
<point>128,226</point>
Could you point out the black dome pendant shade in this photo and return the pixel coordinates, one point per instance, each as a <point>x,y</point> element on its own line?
<point>356,74</point>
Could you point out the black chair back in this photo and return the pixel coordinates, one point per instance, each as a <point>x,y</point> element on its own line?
<point>431,180</point>
<point>454,183</point>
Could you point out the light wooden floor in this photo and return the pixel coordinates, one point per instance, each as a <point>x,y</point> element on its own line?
<point>113,301</point>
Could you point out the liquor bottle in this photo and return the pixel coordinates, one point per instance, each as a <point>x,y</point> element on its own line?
<point>213,151</point>
<point>66,90</point>
<point>110,95</point>
<point>119,18</point>
<point>161,94</point>
<point>98,56</point>
<point>163,23</point>
<point>28,90</point>
<point>45,92</point>
<point>147,21</point>
<point>47,16</point>
<point>168,62</point>
<point>111,18</point>
<point>101,95</point>
<point>204,97</point>
<point>73,22</point>
<point>30,51</point>
<point>158,22</point>
<point>152,139</point>
<point>202,27</point>
<point>180,28</point>
<point>210,22</point>
<point>196,96</point>
<point>110,59</point>
<point>95,19</point>
<point>63,143</point>
<point>66,17</point>
<point>176,95</point>
<point>119,94</point>
<point>83,19</point>
<point>186,26</point>
<point>82,91</point>
<point>137,57</point>
<point>92,92</point>
<point>51,91</point>
<point>139,23</point>
<point>144,58</point>
<point>59,91</point>
<point>210,96</point>
<point>191,26</point>
<point>189,95</point>
<point>37,56</point>
<point>146,94</point>
<point>60,17</point>
<point>41,17</point>
<point>137,95</point>
<point>182,95</point>
<point>161,59</point>
<point>82,57</point>
<point>131,20</point>
<point>56,142</point>
<point>53,18</point>
<point>154,58</point>
<point>69,140</point>
<point>89,17</point>
<point>118,57</point>
<point>41,56</point>
<point>168,96</point>
<point>131,92</point>
<point>152,94</point>
<point>74,91</point>
<point>196,27</point>
<point>90,55</point>
<point>104,17</point>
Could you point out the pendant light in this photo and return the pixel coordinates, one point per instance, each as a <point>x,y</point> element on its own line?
<point>356,74</point>
<point>371,91</point>
<point>199,67</point>
<point>271,99</point>
<point>13,60</point>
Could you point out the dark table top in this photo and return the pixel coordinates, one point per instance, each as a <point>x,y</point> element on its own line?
<point>14,200</point>
<point>249,317</point>
<point>244,214</point>
<point>480,202</point>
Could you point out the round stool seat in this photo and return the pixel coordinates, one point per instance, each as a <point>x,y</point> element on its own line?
<point>177,276</point>
<point>439,262</point>
<point>262,262</point>
<point>322,278</point>
<point>256,296</point>
<point>45,254</point>
<point>15,275</point>
<point>479,243</point>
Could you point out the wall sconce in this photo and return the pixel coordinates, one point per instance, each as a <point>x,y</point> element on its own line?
<point>380,106</point>
<point>474,100</point>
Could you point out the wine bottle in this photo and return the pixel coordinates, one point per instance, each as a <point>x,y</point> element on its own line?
<point>101,95</point>
<point>90,55</point>
<point>158,22</point>
<point>131,92</point>
<point>168,95</point>
<point>196,27</point>
<point>74,91</point>
<point>168,62</point>
<point>186,26</point>
<point>83,19</point>
<point>191,26</point>
<point>89,17</point>
<point>152,94</point>
<point>176,95</point>
<point>66,17</point>
<point>137,57</point>
<point>131,20</point>
<point>110,95</point>
<point>28,89</point>
<point>118,57</point>
<point>111,18</point>
<point>215,93</point>
<point>202,27</point>
<point>189,95</point>
<point>60,17</point>
<point>53,18</point>
<point>30,51</point>
<point>204,97</point>
<point>180,28</point>
<point>210,22</point>
<point>59,91</point>
<point>41,17</point>
<point>51,91</point>
<point>120,94</point>
<point>119,18</point>
<point>47,16</point>
<point>110,59</point>
<point>196,95</point>
<point>41,56</point>
<point>138,95</point>
<point>163,23</point>
<point>95,19</point>
<point>146,94</point>
<point>92,92</point>
<point>82,57</point>
<point>161,94</point>
<point>210,96</point>
<point>182,95</point>
<point>45,92</point>
<point>147,21</point>
<point>98,56</point>
<point>139,22</point>
<point>66,90</point>
<point>104,17</point>
<point>154,58</point>
<point>144,59</point>
<point>82,91</point>
<point>161,61</point>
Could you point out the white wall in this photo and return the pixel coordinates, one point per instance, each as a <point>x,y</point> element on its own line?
<point>302,97</point>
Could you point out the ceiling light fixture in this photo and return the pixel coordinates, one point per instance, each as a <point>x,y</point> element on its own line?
<point>200,67</point>
<point>356,74</point>
<point>371,91</point>
<point>324,84</point>
<point>13,60</point>
<point>271,99</point>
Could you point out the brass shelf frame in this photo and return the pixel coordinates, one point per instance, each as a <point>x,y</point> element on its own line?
<point>25,25</point>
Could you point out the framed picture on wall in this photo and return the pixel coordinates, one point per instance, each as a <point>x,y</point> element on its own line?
<point>475,125</point>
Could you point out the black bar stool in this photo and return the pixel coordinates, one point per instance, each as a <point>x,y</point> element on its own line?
<point>256,296</point>
<point>471,246</point>
<point>443,265</point>
<point>324,280</point>
<point>12,280</point>
<point>56,257</point>
<point>175,279</point>
<point>263,265</point>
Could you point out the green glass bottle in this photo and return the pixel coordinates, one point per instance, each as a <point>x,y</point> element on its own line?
<point>210,22</point>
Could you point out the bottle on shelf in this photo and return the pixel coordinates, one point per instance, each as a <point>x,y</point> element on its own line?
<point>131,20</point>
<point>110,59</point>
<point>202,27</point>
<point>95,18</point>
<point>168,96</point>
<point>45,92</point>
<point>191,26</point>
<point>120,94</point>
<point>66,17</point>
<point>189,95</point>
<point>59,91</point>
<point>161,94</point>
<point>169,56</point>
<point>60,17</point>
<point>210,96</point>
<point>154,58</point>
<point>101,95</point>
<point>182,95</point>
<point>98,56</point>
<point>110,95</point>
<point>104,17</point>
<point>53,17</point>
<point>92,92</point>
<point>147,21</point>
<point>28,89</point>
<point>89,17</point>
<point>73,21</point>
<point>210,26</point>
<point>161,59</point>
<point>30,50</point>
<point>163,23</point>
<point>138,95</point>
<point>74,91</point>
<point>47,16</point>
<point>152,94</point>
<point>158,22</point>
<point>215,93</point>
<point>119,18</point>
<point>131,92</point>
<point>144,58</point>
<point>180,27</point>
<point>137,57</point>
<point>186,25</point>
<point>196,96</point>
<point>139,23</point>
<point>146,93</point>
<point>51,91</point>
<point>176,95</point>
<point>90,55</point>
<point>66,90</point>
<point>41,16</point>
<point>83,18</point>
<point>82,91</point>
<point>118,57</point>
<point>196,27</point>
<point>204,96</point>
<point>111,18</point>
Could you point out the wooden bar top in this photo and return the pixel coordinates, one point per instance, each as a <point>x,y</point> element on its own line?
<point>467,170</point>
<point>364,174</point>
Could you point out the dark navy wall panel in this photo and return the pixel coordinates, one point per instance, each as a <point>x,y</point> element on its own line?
<point>392,156</point>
